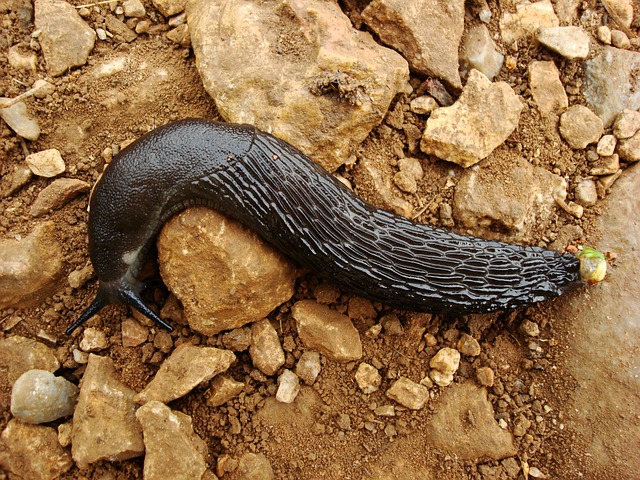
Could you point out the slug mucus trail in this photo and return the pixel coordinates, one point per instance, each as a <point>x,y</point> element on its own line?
<point>294,204</point>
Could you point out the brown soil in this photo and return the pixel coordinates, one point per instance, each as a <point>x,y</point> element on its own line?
<point>160,83</point>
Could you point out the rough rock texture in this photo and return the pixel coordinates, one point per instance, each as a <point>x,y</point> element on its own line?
<point>308,367</point>
<point>368,378</point>
<point>627,123</point>
<point>527,19</point>
<point>570,42</point>
<point>629,148</point>
<point>288,387</point>
<point>322,329</point>
<point>32,452</point>
<point>187,367</point>
<point>451,429</point>
<point>20,122</point>
<point>252,466</point>
<point>469,130</point>
<point>408,394</point>
<point>170,7</point>
<point>30,268</point>
<point>224,274</point>
<point>479,201</point>
<point>298,70</point>
<point>416,28</point>
<point>65,38</point>
<point>172,449</point>
<point>479,51</point>
<point>546,88</point>
<point>38,396</point>
<point>104,423</point>
<point>223,389</point>
<point>265,350</point>
<point>57,195</point>
<point>46,163</point>
<point>579,126</point>
<point>612,83</point>
<point>19,354</point>
<point>603,409</point>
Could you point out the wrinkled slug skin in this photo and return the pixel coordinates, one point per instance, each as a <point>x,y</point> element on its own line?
<point>299,208</point>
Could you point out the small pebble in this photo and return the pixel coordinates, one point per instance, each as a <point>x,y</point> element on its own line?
<point>308,367</point>
<point>368,378</point>
<point>423,105</point>
<point>620,39</point>
<point>408,394</point>
<point>447,360</point>
<point>467,345</point>
<point>38,396</point>
<point>441,379</point>
<point>606,165</point>
<point>101,33</point>
<point>627,123</point>
<point>606,145</point>
<point>385,411</point>
<point>530,328</point>
<point>604,34</point>
<point>485,376</point>
<point>586,193</point>
<point>133,8</point>
<point>288,387</point>
<point>133,333</point>
<point>19,121</point>
<point>93,340</point>
<point>46,163</point>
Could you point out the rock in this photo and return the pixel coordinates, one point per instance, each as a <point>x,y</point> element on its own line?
<point>38,396</point>
<point>368,378</point>
<point>604,34</point>
<point>530,328</point>
<point>265,350</point>
<point>172,449</point>
<point>621,11</point>
<point>629,148</point>
<point>10,184</point>
<point>469,346</point>
<point>528,18</point>
<point>626,124</point>
<point>385,411</point>
<point>46,163</point>
<point>33,452</point>
<point>288,387</point>
<point>485,376</point>
<point>186,368</point>
<point>610,314</point>
<point>408,394</point>
<point>19,121</point>
<point>224,275</point>
<point>104,423</point>
<point>606,145</point>
<point>31,268</point>
<point>416,28</point>
<point>586,193</point>
<point>619,39</point>
<point>423,105</point>
<point>93,340</point>
<point>606,165</point>
<point>133,8</point>
<point>223,389</point>
<point>482,118</point>
<point>57,195</point>
<point>65,38</point>
<point>297,70</point>
<point>463,424</point>
<point>252,466</point>
<point>19,355</point>
<point>308,367</point>
<point>611,83</point>
<point>446,360</point>
<point>80,276</point>
<point>579,126</point>
<point>546,87</point>
<point>169,8</point>
<point>180,35</point>
<point>322,329</point>
<point>21,59</point>
<point>133,333</point>
<point>119,29</point>
<point>480,202</point>
<point>570,42</point>
<point>237,340</point>
<point>479,51</point>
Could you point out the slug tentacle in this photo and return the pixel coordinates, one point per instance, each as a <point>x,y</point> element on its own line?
<point>300,209</point>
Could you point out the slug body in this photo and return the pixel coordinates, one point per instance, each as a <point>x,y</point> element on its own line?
<point>306,213</point>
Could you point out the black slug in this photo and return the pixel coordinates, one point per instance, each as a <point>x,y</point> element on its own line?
<point>299,208</point>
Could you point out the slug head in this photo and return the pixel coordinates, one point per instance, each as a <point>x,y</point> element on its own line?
<point>117,292</point>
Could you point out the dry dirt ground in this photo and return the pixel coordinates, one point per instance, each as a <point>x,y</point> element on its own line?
<point>160,83</point>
